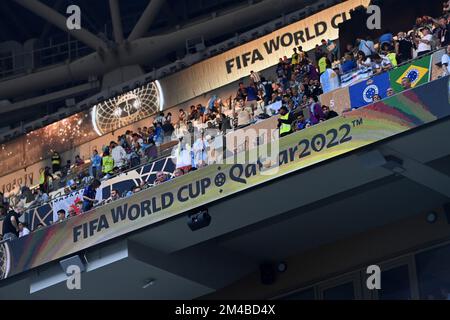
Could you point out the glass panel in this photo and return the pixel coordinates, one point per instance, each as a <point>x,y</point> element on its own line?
<point>342,292</point>
<point>433,273</point>
<point>301,295</point>
<point>395,284</point>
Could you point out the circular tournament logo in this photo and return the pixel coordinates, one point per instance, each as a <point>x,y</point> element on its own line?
<point>127,108</point>
<point>4,260</point>
<point>370,92</point>
<point>220,179</point>
<point>413,75</point>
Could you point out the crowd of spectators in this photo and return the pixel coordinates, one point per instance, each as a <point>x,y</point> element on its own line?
<point>292,94</point>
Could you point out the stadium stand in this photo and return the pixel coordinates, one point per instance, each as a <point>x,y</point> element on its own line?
<point>292,96</point>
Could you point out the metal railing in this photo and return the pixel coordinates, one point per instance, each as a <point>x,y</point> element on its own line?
<point>14,64</point>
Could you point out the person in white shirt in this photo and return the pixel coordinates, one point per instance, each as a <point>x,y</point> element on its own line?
<point>424,43</point>
<point>184,157</point>
<point>23,229</point>
<point>255,77</point>
<point>200,147</point>
<point>118,154</point>
<point>445,60</point>
<point>329,80</point>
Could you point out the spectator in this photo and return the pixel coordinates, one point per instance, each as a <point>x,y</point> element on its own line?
<point>200,149</point>
<point>44,179</point>
<point>136,155</point>
<point>391,55</point>
<point>252,93</point>
<point>159,134</point>
<point>39,226</point>
<point>167,127</point>
<point>96,166</point>
<point>107,163</point>
<point>115,195</point>
<point>319,54</point>
<point>382,63</point>
<point>403,48</point>
<point>56,162</point>
<point>255,77</point>
<point>23,229</point>
<point>242,92</point>
<point>376,98</point>
<point>445,60</point>
<point>315,115</point>
<point>10,224</point>
<point>301,122</point>
<point>329,79</point>
<point>118,154</point>
<point>367,46</point>
<point>89,195</point>
<point>363,61</point>
<point>390,92</point>
<point>178,173</point>
<point>349,64</point>
<point>161,177</point>
<point>61,216</point>
<point>66,169</point>
<point>406,83</point>
<point>244,118</point>
<point>184,156</point>
<point>295,58</point>
<point>386,38</point>
<point>78,161</point>
<point>159,119</point>
<point>72,212</point>
<point>285,121</point>
<point>323,63</point>
<point>182,117</point>
<point>329,114</point>
<point>424,43</point>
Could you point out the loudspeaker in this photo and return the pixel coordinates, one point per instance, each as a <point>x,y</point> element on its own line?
<point>199,220</point>
<point>268,274</point>
<point>73,261</point>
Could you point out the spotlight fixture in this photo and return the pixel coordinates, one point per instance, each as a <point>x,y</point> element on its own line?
<point>432,217</point>
<point>199,219</point>
<point>282,267</point>
<point>394,164</point>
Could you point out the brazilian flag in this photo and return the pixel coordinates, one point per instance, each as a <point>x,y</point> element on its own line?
<point>417,71</point>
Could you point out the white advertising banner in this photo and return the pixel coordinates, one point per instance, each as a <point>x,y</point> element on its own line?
<point>69,201</point>
<point>256,55</point>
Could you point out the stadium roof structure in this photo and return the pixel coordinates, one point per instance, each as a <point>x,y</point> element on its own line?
<point>142,35</point>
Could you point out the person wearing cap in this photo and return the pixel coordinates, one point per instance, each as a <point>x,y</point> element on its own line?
<point>424,43</point>
<point>285,121</point>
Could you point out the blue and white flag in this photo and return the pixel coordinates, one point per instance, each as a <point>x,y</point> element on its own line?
<point>361,94</point>
<point>353,77</point>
